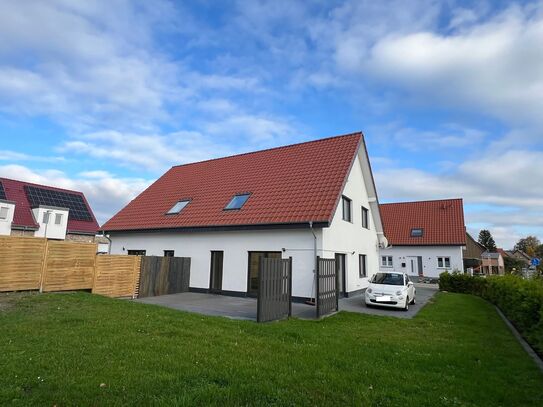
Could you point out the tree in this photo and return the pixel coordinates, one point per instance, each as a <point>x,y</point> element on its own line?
<point>528,245</point>
<point>511,263</point>
<point>486,239</point>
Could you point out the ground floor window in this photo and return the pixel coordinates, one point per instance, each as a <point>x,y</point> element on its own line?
<point>169,253</point>
<point>386,261</point>
<point>136,252</point>
<point>254,265</point>
<point>443,262</point>
<point>362,265</point>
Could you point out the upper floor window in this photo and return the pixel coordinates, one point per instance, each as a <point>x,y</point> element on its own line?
<point>4,212</point>
<point>347,211</point>
<point>365,218</point>
<point>178,207</point>
<point>417,232</point>
<point>46,217</point>
<point>237,201</point>
<point>58,218</point>
<point>386,261</point>
<point>443,262</point>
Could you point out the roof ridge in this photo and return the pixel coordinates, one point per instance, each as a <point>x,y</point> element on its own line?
<point>40,185</point>
<point>423,201</point>
<point>357,133</point>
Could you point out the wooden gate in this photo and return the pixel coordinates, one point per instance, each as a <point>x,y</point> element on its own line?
<point>327,287</point>
<point>274,289</point>
<point>164,275</point>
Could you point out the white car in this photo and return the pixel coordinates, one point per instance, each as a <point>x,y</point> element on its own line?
<point>390,290</point>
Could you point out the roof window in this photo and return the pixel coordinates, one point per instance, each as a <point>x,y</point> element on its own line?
<point>417,232</point>
<point>178,207</point>
<point>237,201</point>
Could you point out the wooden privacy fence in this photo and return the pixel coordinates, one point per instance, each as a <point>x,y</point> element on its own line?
<point>117,275</point>
<point>274,289</point>
<point>21,263</point>
<point>327,287</point>
<point>164,275</point>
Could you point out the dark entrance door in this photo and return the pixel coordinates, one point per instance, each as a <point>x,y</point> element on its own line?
<point>215,279</point>
<point>254,265</point>
<point>340,270</point>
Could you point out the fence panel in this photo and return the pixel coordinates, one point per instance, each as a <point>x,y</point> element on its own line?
<point>274,289</point>
<point>21,263</point>
<point>69,266</point>
<point>327,287</point>
<point>163,275</point>
<point>117,275</point>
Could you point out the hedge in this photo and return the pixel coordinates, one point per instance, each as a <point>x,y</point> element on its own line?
<point>520,300</point>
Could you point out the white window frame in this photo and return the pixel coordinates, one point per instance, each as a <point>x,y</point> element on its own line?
<point>4,212</point>
<point>347,213</point>
<point>442,262</point>
<point>46,218</point>
<point>387,261</point>
<point>58,218</point>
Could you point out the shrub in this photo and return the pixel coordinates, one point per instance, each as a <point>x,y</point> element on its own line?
<point>519,299</point>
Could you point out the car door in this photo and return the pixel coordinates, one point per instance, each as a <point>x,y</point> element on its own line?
<point>410,287</point>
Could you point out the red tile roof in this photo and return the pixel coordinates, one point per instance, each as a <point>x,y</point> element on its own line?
<point>292,184</point>
<point>23,217</point>
<point>442,222</point>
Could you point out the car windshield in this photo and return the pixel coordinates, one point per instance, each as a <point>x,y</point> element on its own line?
<point>388,279</point>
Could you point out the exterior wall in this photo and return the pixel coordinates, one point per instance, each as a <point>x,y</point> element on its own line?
<point>429,255</point>
<point>21,232</point>
<point>5,224</point>
<point>79,237</point>
<point>51,230</point>
<point>236,245</point>
<point>350,238</point>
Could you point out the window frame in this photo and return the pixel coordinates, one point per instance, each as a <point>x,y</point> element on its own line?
<point>136,252</point>
<point>46,217</point>
<point>230,202</point>
<point>169,253</point>
<point>58,218</point>
<point>6,209</point>
<point>362,266</point>
<point>386,263</point>
<point>177,212</point>
<point>349,201</point>
<point>413,234</point>
<point>443,260</point>
<point>365,217</point>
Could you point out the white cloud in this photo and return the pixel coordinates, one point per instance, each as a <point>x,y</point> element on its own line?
<point>7,155</point>
<point>106,194</point>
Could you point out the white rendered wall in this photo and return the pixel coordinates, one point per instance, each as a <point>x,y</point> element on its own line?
<point>236,246</point>
<point>5,224</point>
<point>429,255</point>
<point>351,238</point>
<point>53,230</point>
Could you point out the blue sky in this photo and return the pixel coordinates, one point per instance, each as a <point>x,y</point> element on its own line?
<point>104,96</point>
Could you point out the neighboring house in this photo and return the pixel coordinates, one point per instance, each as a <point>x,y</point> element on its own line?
<point>37,210</point>
<point>425,238</point>
<point>301,201</point>
<point>472,254</point>
<point>492,263</point>
<point>518,254</point>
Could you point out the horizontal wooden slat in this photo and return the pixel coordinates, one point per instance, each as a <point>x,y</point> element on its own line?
<point>116,275</point>
<point>20,263</point>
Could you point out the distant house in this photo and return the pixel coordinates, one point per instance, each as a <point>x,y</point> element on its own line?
<point>518,254</point>
<point>301,201</point>
<point>492,263</point>
<point>473,254</point>
<point>425,238</point>
<point>28,209</point>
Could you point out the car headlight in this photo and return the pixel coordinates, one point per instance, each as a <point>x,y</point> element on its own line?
<point>398,292</point>
<point>370,290</point>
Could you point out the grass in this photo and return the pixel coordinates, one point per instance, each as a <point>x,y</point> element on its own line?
<point>86,350</point>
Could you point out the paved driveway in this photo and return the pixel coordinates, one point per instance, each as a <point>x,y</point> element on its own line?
<point>245,308</point>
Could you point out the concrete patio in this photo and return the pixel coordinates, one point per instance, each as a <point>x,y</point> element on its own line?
<point>245,307</point>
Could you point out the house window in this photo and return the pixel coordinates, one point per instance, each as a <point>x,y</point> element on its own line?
<point>365,220</point>
<point>237,202</point>
<point>136,252</point>
<point>417,232</point>
<point>362,270</point>
<point>46,217</point>
<point>443,262</point>
<point>168,253</point>
<point>347,213</point>
<point>178,207</point>
<point>58,218</point>
<point>4,212</point>
<point>386,261</point>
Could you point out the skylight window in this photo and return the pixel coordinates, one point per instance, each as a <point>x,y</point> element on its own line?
<point>178,207</point>
<point>417,232</point>
<point>237,201</point>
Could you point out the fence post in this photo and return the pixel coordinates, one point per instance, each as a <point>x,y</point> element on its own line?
<point>317,281</point>
<point>290,286</point>
<point>44,264</point>
<point>259,296</point>
<point>137,260</point>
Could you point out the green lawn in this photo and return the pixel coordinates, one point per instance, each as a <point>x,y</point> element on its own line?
<point>57,349</point>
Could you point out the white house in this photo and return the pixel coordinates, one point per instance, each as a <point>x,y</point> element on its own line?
<point>301,201</point>
<point>425,238</point>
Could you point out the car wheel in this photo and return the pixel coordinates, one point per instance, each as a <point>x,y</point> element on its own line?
<point>406,308</point>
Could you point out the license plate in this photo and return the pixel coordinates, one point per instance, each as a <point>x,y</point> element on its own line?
<point>385,298</point>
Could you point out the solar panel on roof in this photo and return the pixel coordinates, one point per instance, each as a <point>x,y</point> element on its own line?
<point>2,192</point>
<point>74,202</point>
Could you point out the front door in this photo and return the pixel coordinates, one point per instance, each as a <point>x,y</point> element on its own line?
<point>215,280</point>
<point>254,266</point>
<point>415,266</point>
<point>340,271</point>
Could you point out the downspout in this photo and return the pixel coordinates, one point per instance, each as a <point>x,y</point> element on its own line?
<point>109,240</point>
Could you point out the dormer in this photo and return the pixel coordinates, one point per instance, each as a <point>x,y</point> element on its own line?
<point>7,211</point>
<point>52,221</point>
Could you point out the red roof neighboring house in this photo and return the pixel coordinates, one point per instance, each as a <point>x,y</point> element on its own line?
<point>424,223</point>
<point>502,252</point>
<point>17,192</point>
<point>294,184</point>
